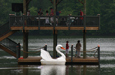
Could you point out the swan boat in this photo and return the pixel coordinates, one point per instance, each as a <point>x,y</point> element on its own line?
<point>47,59</point>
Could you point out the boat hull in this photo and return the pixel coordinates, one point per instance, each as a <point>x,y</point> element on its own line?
<point>53,62</point>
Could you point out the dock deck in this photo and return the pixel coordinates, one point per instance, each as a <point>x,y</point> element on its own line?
<point>36,60</point>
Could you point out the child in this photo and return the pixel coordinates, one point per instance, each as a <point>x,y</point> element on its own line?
<point>67,48</point>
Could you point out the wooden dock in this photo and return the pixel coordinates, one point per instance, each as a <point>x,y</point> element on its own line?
<point>36,60</point>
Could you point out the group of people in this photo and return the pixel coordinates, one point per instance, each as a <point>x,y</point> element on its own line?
<point>50,20</point>
<point>77,48</point>
<point>49,14</point>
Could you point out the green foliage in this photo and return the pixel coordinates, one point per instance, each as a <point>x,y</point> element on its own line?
<point>33,10</point>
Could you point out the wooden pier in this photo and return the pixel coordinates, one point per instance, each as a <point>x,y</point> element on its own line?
<point>36,60</point>
<point>26,23</point>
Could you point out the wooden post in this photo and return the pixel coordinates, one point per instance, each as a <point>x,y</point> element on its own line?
<point>71,53</point>
<point>54,7</point>
<point>45,48</point>
<point>18,51</point>
<point>99,54</point>
<point>84,7</point>
<point>25,43</point>
<point>99,19</point>
<point>24,7</point>
<point>25,33</point>
<point>54,43</point>
<point>84,32</point>
<point>84,44</point>
<point>54,32</point>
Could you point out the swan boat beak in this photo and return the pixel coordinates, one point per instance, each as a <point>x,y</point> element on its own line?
<point>62,48</point>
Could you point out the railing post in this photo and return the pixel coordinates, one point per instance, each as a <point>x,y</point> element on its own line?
<point>71,53</point>
<point>99,19</point>
<point>54,25</point>
<point>45,48</point>
<point>99,53</point>
<point>18,51</point>
<point>68,17</point>
<point>39,22</point>
<point>23,21</point>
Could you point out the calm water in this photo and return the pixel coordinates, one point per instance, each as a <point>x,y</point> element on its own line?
<point>8,64</point>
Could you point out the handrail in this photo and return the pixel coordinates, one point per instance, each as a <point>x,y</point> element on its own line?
<point>11,45</point>
<point>65,21</point>
<point>95,50</point>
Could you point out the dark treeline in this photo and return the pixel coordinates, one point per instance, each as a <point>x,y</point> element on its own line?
<point>93,7</point>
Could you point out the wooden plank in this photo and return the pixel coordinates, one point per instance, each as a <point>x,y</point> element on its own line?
<point>31,28</point>
<point>57,28</point>
<point>16,28</point>
<point>46,28</point>
<point>30,59</point>
<point>76,28</point>
<point>37,59</point>
<point>92,28</point>
<point>6,35</point>
<point>82,60</point>
<point>7,50</point>
<point>61,28</point>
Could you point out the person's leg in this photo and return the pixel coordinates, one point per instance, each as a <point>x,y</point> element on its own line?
<point>66,53</point>
<point>76,54</point>
<point>79,54</point>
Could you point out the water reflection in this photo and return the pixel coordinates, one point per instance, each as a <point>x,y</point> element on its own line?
<point>53,70</point>
<point>70,70</point>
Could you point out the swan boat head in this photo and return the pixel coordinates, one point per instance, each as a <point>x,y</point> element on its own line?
<point>57,49</point>
<point>59,46</point>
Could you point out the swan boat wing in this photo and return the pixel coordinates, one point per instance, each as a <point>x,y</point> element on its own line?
<point>45,55</point>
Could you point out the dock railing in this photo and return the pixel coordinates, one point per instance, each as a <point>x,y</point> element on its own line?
<point>48,21</point>
<point>92,52</point>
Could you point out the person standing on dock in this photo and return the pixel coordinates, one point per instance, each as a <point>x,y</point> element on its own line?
<point>78,48</point>
<point>67,48</point>
<point>47,18</point>
<point>51,14</point>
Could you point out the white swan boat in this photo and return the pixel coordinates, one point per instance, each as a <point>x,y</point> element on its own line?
<point>47,59</point>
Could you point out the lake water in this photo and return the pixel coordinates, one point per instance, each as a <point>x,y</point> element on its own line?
<point>9,66</point>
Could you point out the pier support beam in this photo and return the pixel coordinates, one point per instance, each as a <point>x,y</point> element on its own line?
<point>54,31</point>
<point>84,32</point>
<point>84,43</point>
<point>25,44</point>
<point>54,43</point>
